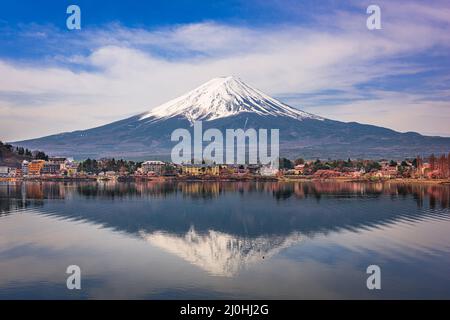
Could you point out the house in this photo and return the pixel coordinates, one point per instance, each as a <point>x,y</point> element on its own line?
<point>19,172</point>
<point>71,168</point>
<point>356,173</point>
<point>35,167</point>
<point>50,168</point>
<point>388,172</point>
<point>268,171</point>
<point>24,167</point>
<point>4,171</point>
<point>253,168</point>
<point>238,169</point>
<point>299,169</point>
<point>200,170</point>
<point>57,160</point>
<point>12,172</point>
<point>157,167</point>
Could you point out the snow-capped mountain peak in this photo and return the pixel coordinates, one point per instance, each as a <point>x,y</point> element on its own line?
<point>223,97</point>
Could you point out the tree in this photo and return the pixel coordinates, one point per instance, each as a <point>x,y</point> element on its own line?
<point>41,156</point>
<point>372,165</point>
<point>286,163</point>
<point>393,163</point>
<point>299,161</point>
<point>432,162</point>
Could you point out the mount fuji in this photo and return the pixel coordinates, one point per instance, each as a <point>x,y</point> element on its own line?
<point>221,98</point>
<point>229,103</point>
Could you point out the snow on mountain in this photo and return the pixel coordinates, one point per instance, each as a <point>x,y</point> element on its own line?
<point>219,253</point>
<point>224,97</point>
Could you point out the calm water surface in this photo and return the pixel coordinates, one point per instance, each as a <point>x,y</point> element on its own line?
<point>224,240</point>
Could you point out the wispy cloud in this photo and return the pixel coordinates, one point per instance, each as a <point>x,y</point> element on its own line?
<point>332,66</point>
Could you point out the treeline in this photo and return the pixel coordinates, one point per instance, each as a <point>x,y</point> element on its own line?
<point>9,151</point>
<point>438,166</point>
<point>343,165</point>
<point>104,165</point>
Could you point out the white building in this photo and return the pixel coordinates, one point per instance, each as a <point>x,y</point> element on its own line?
<point>24,167</point>
<point>268,171</point>
<point>4,171</point>
<point>153,166</point>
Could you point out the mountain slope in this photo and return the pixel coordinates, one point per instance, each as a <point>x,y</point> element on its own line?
<point>228,103</point>
<point>10,158</point>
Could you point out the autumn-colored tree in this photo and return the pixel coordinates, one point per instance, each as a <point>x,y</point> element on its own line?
<point>432,161</point>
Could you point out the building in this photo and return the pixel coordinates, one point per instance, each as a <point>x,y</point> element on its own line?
<point>299,169</point>
<point>61,161</point>
<point>388,171</point>
<point>200,170</point>
<point>51,168</point>
<point>18,173</point>
<point>57,160</point>
<point>71,168</point>
<point>237,169</point>
<point>25,167</point>
<point>253,168</point>
<point>12,172</point>
<point>156,167</point>
<point>268,171</point>
<point>35,167</point>
<point>4,171</point>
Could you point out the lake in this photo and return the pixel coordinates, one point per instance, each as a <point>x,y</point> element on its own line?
<point>224,240</point>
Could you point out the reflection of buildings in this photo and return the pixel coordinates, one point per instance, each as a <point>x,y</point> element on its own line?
<point>219,253</point>
<point>33,190</point>
<point>206,190</point>
<point>437,194</point>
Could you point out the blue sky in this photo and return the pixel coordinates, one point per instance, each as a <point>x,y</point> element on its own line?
<point>156,13</point>
<point>131,56</point>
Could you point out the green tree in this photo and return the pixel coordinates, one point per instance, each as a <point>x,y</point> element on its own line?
<point>286,163</point>
<point>372,165</point>
<point>40,155</point>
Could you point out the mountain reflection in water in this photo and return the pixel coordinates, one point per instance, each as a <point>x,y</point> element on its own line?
<point>224,227</point>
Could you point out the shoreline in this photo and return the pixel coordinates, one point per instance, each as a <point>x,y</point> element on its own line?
<point>348,179</point>
<point>229,179</point>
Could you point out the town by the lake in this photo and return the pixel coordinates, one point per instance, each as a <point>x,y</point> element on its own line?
<point>39,166</point>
